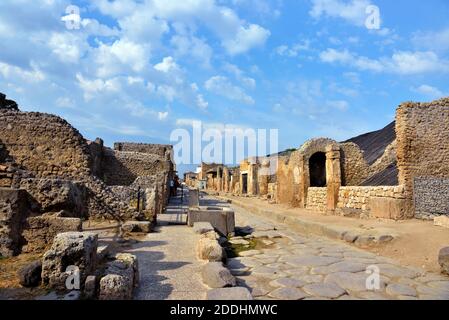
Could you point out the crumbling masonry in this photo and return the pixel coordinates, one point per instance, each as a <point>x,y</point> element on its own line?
<point>399,172</point>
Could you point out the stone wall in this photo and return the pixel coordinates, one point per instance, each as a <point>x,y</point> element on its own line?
<point>161,150</point>
<point>45,145</point>
<point>121,168</point>
<point>431,197</point>
<point>422,131</point>
<point>14,210</point>
<point>359,197</point>
<point>317,199</point>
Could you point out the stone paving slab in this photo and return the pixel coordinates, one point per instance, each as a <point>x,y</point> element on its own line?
<point>304,266</point>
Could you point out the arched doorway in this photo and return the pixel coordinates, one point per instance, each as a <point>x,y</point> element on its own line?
<point>317,170</point>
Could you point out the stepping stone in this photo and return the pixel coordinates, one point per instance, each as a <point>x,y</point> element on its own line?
<point>239,242</point>
<point>325,290</point>
<point>287,294</point>
<point>237,293</point>
<point>249,253</point>
<point>287,282</point>
<point>395,289</point>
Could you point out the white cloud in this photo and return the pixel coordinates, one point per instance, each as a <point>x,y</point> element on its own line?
<point>429,91</point>
<point>240,75</point>
<point>401,62</point>
<point>246,39</point>
<point>353,11</point>
<point>222,86</point>
<point>92,88</point>
<point>294,50</point>
<point>34,75</point>
<point>434,40</point>
<point>167,65</point>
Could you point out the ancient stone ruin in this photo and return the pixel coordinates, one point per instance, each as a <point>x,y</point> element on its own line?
<point>52,180</point>
<point>399,172</point>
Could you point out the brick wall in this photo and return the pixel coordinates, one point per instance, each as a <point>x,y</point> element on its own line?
<point>317,199</point>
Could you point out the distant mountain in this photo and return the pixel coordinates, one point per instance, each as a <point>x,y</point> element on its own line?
<point>374,143</point>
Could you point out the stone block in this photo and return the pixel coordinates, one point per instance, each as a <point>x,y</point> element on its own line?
<point>209,250</point>
<point>14,209</point>
<point>441,221</point>
<point>90,287</point>
<point>40,231</point>
<point>388,208</point>
<point>54,195</point>
<point>30,275</point>
<point>194,198</point>
<point>121,277</point>
<point>216,276</point>
<point>202,227</point>
<point>69,249</point>
<point>137,226</point>
<point>222,219</point>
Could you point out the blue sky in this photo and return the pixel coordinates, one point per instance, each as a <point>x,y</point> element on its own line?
<point>136,70</point>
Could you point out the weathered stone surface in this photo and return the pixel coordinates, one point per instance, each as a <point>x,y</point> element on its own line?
<point>349,281</point>
<point>54,195</point>
<point>239,242</point>
<point>115,287</point>
<point>443,260</point>
<point>72,296</point>
<point>223,220</point>
<point>287,282</point>
<point>312,261</point>
<point>388,208</point>
<point>30,275</point>
<point>69,249</point>
<point>288,294</point>
<point>325,290</point>
<point>90,287</point>
<point>217,276</point>
<point>249,253</point>
<point>137,226</point>
<point>441,221</point>
<point>396,289</point>
<point>40,231</point>
<point>122,276</point>
<point>202,227</point>
<point>346,266</point>
<point>14,209</point>
<point>210,250</point>
<point>236,293</point>
<point>194,198</point>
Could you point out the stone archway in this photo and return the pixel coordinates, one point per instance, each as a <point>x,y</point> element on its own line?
<point>319,166</point>
<point>317,170</point>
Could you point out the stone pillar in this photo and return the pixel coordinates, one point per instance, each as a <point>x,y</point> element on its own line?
<point>264,178</point>
<point>304,181</point>
<point>219,179</point>
<point>333,176</point>
<point>252,179</point>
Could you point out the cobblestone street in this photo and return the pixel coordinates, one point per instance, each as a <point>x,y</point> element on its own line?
<point>292,266</point>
